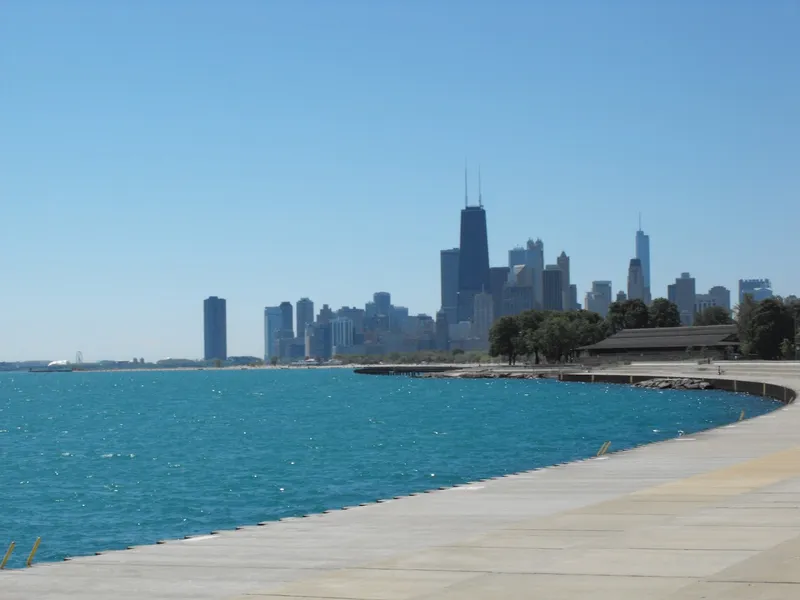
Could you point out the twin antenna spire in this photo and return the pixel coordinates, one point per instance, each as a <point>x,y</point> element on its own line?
<point>466,193</point>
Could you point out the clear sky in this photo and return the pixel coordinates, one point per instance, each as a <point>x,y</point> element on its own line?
<point>154,153</point>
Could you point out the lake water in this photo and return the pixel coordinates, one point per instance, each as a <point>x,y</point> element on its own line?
<point>96,461</point>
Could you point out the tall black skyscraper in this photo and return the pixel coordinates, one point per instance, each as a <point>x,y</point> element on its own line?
<point>215,329</point>
<point>286,320</point>
<point>473,256</point>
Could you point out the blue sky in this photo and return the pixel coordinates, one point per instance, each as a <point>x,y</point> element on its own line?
<point>154,153</point>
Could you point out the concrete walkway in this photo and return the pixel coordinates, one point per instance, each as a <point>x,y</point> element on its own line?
<point>714,515</point>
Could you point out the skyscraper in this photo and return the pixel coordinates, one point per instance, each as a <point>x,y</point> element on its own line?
<point>383,303</point>
<point>636,288</point>
<point>215,329</point>
<point>643,254</point>
<point>356,315</point>
<point>720,296</point>
<point>498,277</point>
<point>473,259</point>
<point>449,278</point>
<point>483,315</point>
<point>683,294</point>
<point>286,321</point>
<point>553,288</point>
<point>599,299</point>
<point>272,327</point>
<point>759,289</point>
<point>532,256</point>
<point>518,291</point>
<point>563,263</point>
<point>304,311</point>
<point>326,314</point>
<point>536,250</point>
<point>342,332</point>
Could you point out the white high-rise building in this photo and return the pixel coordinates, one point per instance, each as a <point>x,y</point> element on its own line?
<point>599,299</point>
<point>532,256</point>
<point>273,323</point>
<point>342,330</point>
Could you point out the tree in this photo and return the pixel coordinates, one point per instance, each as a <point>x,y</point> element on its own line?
<point>713,315</point>
<point>787,349</point>
<point>504,338</point>
<point>529,323</point>
<point>744,321</point>
<point>591,328</point>
<point>557,337</point>
<point>663,313</point>
<point>630,314</point>
<point>769,324</point>
<point>273,361</point>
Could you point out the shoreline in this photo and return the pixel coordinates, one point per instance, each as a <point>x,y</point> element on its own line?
<point>764,383</point>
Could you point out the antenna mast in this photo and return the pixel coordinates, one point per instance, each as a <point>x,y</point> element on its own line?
<point>466,195</point>
<point>480,193</point>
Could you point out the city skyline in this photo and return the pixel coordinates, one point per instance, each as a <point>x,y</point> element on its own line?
<point>208,162</point>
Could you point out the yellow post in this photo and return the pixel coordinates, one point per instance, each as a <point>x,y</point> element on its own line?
<point>741,415</point>
<point>7,556</point>
<point>603,448</point>
<point>33,552</point>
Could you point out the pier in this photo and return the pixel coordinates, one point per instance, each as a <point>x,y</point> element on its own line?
<point>712,515</point>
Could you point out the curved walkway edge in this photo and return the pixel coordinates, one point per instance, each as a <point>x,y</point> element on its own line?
<point>712,515</point>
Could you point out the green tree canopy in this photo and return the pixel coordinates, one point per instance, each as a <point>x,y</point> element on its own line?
<point>770,323</point>
<point>744,321</point>
<point>713,315</point>
<point>556,335</point>
<point>529,323</point>
<point>663,313</point>
<point>630,314</point>
<point>504,338</point>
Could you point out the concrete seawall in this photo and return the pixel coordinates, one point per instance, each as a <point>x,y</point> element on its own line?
<point>782,393</point>
<point>711,515</point>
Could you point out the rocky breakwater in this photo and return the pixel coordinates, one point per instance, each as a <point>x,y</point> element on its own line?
<point>671,383</point>
<point>489,374</point>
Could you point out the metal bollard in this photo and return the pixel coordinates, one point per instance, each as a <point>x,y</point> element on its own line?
<point>33,551</point>
<point>7,556</point>
<point>604,448</point>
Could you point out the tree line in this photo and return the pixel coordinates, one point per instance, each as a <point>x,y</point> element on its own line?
<point>558,335</point>
<point>766,329</point>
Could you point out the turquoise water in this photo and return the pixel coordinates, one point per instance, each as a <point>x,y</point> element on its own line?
<point>95,461</point>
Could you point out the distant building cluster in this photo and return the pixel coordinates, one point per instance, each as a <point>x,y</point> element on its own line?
<point>473,295</point>
<point>378,328</point>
